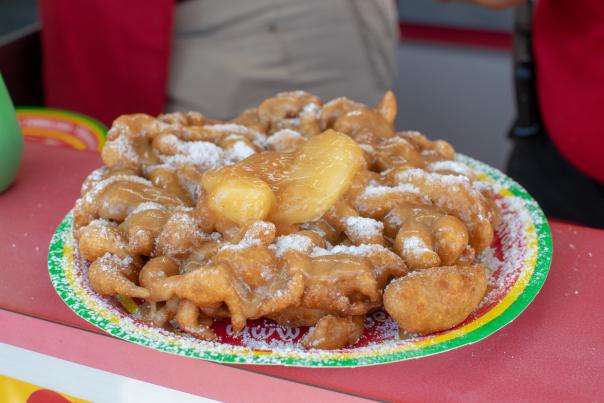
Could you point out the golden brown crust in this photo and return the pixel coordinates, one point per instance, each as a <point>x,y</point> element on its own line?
<point>333,332</point>
<point>296,210</point>
<point>435,299</point>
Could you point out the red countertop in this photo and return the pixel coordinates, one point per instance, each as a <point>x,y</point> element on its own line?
<point>553,352</point>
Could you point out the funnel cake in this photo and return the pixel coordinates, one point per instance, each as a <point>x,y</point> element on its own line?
<point>305,213</point>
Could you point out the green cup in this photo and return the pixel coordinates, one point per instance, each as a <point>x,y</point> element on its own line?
<point>11,139</point>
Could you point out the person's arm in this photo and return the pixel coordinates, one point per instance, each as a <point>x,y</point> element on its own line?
<point>493,4</point>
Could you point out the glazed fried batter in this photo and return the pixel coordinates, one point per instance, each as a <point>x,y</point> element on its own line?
<point>117,196</point>
<point>215,284</point>
<point>101,237</point>
<point>296,316</point>
<point>306,213</point>
<point>340,283</point>
<point>435,299</point>
<point>455,195</point>
<point>333,332</point>
<point>192,321</point>
<point>110,275</point>
<point>426,236</point>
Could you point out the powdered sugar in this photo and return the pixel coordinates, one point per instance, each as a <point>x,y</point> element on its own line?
<point>111,262</point>
<point>296,242</point>
<point>257,138</point>
<point>311,110</point>
<point>442,191</point>
<point>361,250</point>
<point>431,177</point>
<point>361,227</point>
<point>379,190</point>
<point>451,166</point>
<point>215,236</point>
<point>415,246</point>
<point>253,236</point>
<point>504,269</point>
<point>202,154</point>
<point>123,146</point>
<point>283,135</point>
<point>239,151</point>
<point>97,175</point>
<point>103,222</point>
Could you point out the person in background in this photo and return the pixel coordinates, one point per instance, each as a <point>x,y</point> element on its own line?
<point>561,163</point>
<point>229,55</point>
<point>110,57</point>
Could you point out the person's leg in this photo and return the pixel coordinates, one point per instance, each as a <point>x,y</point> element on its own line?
<point>561,190</point>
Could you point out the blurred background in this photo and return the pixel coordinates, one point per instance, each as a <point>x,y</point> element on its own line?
<point>453,74</point>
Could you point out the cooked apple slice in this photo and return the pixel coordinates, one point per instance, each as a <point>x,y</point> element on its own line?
<point>237,196</point>
<point>321,171</point>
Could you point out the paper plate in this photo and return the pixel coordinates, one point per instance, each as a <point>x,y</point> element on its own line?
<point>518,259</point>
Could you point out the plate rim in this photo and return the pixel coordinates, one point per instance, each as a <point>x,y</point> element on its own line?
<point>537,279</point>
